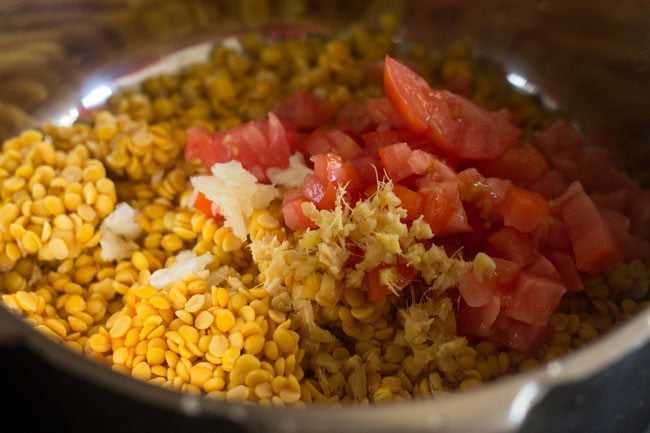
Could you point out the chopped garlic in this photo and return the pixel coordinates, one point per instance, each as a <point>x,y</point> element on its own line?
<point>292,176</point>
<point>122,221</point>
<point>118,231</point>
<point>236,193</point>
<point>187,264</point>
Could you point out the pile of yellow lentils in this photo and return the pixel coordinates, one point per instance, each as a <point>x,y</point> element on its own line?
<point>228,337</point>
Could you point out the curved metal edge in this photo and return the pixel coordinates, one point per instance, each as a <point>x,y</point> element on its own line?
<point>486,410</point>
<point>12,330</point>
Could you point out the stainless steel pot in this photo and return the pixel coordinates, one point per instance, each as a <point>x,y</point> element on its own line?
<point>591,59</point>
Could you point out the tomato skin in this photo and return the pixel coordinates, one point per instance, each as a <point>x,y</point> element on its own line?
<point>201,203</point>
<point>256,145</point>
<point>368,172</point>
<point>394,159</point>
<point>513,245</point>
<point>375,140</point>
<point>468,131</point>
<point>376,290</point>
<point>344,145</point>
<point>478,293</point>
<point>522,209</point>
<point>443,210</point>
<point>200,146</point>
<point>410,200</point>
<point>551,185</point>
<point>321,193</point>
<point>315,143</point>
<point>374,114</point>
<point>477,321</point>
<point>330,141</point>
<point>294,217</point>
<point>566,266</point>
<point>594,246</point>
<point>543,267</point>
<point>331,168</point>
<point>436,208</point>
<point>518,163</point>
<point>421,162</point>
<point>408,93</point>
<point>534,299</point>
<point>552,234</point>
<point>304,110</point>
<point>519,335</point>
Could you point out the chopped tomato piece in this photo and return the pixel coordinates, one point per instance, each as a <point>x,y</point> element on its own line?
<point>566,266</point>
<point>331,141</point>
<point>560,143</point>
<point>394,158</point>
<point>478,293</point>
<point>356,254</point>
<point>257,145</point>
<point>506,273</point>
<point>543,267</point>
<point>367,171</point>
<point>519,335</point>
<point>294,217</point>
<point>617,222</point>
<point>410,200</point>
<point>513,245</point>
<point>534,299</point>
<point>375,140</point>
<point>477,321</point>
<point>551,185</point>
<point>315,143</point>
<point>201,203</point>
<point>421,162</point>
<point>523,209</point>
<point>375,114</point>
<point>442,208</point>
<point>331,168</point>
<point>552,234</point>
<point>344,145</point>
<point>594,246</point>
<point>304,110</point>
<point>517,163</point>
<point>614,200</point>
<point>456,125</point>
<point>467,131</point>
<point>408,93</point>
<point>638,209</point>
<point>438,172</point>
<point>382,114</point>
<point>407,272</point>
<point>377,290</point>
<point>320,192</point>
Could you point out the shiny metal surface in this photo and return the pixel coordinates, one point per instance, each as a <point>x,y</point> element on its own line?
<point>591,59</point>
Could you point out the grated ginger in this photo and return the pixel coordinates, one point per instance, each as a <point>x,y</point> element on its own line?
<point>376,226</point>
<point>236,193</point>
